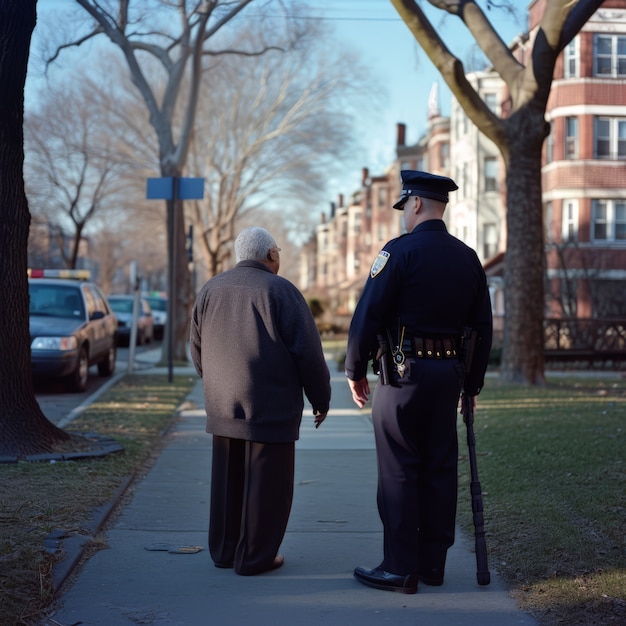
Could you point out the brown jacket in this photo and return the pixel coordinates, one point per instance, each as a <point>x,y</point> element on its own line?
<point>255,344</point>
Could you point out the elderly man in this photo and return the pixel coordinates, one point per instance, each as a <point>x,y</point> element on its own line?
<point>256,346</point>
<point>425,288</point>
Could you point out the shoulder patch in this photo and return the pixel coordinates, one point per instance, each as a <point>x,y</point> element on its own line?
<point>379,263</point>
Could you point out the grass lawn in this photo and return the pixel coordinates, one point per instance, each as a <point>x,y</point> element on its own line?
<point>552,468</point>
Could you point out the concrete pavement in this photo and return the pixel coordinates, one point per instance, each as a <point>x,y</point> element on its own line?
<point>334,526</point>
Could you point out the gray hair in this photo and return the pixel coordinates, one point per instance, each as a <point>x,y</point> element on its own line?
<point>253,244</point>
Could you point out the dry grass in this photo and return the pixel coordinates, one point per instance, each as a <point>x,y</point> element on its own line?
<point>37,499</point>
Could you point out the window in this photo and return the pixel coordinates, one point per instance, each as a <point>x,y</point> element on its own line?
<point>609,55</point>
<point>490,240</point>
<point>491,174</point>
<point>444,155</point>
<point>571,137</point>
<point>463,180</point>
<point>491,100</point>
<point>609,138</point>
<point>547,221</point>
<point>608,220</point>
<point>570,59</point>
<point>550,144</point>
<point>570,220</point>
<point>464,233</point>
<point>382,196</point>
<point>462,123</point>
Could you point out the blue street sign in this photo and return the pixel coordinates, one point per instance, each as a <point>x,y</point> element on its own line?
<point>191,188</point>
<point>163,188</point>
<point>160,188</point>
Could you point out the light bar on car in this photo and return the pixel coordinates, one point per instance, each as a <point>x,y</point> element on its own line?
<point>76,274</point>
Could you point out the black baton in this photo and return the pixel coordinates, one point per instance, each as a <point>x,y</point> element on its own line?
<point>482,569</point>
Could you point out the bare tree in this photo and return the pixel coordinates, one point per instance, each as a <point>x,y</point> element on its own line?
<point>519,137</point>
<point>72,164</point>
<point>23,427</point>
<point>176,37</point>
<point>269,129</point>
<point>140,238</point>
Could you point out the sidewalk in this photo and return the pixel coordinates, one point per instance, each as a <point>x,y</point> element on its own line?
<point>334,526</point>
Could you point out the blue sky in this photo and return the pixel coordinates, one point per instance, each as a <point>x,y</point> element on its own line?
<point>398,69</point>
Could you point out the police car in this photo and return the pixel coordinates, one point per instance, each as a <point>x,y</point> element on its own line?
<point>71,327</point>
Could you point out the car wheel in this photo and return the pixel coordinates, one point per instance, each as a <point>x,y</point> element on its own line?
<point>77,380</point>
<point>106,367</point>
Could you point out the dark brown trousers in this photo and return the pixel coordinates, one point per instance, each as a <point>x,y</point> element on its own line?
<point>251,497</point>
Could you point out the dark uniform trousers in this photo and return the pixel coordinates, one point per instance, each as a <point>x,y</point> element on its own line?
<point>251,497</point>
<point>417,452</point>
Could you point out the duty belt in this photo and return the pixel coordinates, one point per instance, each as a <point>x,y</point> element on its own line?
<point>431,347</point>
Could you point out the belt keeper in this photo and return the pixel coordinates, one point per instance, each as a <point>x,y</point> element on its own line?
<point>434,348</point>
<point>419,347</point>
<point>430,347</point>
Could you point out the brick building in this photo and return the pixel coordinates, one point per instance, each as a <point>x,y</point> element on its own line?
<point>335,262</point>
<point>583,185</point>
<point>584,170</point>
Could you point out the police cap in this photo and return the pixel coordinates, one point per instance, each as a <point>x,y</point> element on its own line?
<point>425,185</point>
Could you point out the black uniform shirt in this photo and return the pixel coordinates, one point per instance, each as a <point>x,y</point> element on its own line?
<point>432,284</point>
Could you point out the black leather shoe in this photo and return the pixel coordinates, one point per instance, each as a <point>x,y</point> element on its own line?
<point>223,564</point>
<point>378,578</point>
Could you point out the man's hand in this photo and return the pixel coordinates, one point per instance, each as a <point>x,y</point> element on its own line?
<point>360,391</point>
<point>319,418</point>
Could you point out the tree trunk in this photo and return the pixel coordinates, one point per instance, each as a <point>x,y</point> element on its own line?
<point>23,427</point>
<point>522,353</point>
<point>179,286</point>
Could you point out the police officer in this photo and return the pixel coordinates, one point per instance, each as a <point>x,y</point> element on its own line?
<point>424,290</point>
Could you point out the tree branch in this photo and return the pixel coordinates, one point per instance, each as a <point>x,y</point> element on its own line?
<point>489,41</point>
<point>450,68</point>
<point>576,19</point>
<point>245,53</point>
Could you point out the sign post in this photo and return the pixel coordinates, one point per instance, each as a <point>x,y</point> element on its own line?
<point>173,188</point>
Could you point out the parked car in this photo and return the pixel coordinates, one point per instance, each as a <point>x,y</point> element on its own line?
<point>71,327</point>
<point>158,305</point>
<point>122,306</point>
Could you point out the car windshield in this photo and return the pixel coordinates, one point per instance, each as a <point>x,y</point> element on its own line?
<point>121,305</point>
<point>55,300</point>
<point>157,304</point>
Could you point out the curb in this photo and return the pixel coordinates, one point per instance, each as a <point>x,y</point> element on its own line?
<point>73,546</point>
